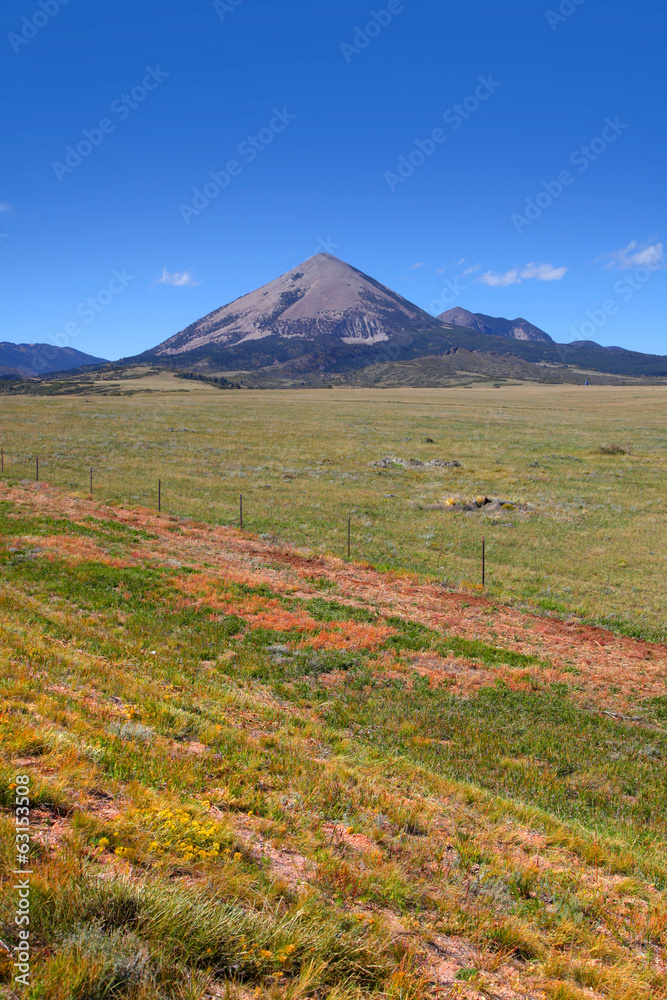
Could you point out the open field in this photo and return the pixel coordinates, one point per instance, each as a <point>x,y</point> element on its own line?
<point>258,772</point>
<point>593,544</point>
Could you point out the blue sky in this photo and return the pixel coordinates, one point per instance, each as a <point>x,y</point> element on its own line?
<point>331,127</point>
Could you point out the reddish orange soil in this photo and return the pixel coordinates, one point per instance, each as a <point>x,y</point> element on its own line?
<point>610,671</point>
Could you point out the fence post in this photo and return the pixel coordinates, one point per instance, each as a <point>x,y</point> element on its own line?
<point>241,512</point>
<point>483,560</point>
<point>159,496</point>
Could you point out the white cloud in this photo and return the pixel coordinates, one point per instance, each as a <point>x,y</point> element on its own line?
<point>636,255</point>
<point>415,267</point>
<point>536,272</point>
<point>470,270</point>
<point>5,207</point>
<point>500,280</point>
<point>180,280</point>
<point>543,272</point>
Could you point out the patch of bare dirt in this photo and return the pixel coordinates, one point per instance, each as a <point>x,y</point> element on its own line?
<point>614,671</point>
<point>287,865</point>
<point>445,957</point>
<point>461,676</point>
<point>339,834</point>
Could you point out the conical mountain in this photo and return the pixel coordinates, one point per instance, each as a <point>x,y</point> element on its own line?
<point>323,297</point>
<point>326,316</point>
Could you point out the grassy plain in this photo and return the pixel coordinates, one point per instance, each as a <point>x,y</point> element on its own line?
<point>256,772</point>
<point>593,546</point>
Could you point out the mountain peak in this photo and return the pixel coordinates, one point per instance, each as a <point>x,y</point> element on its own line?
<point>324,315</point>
<point>515,329</point>
<point>323,296</point>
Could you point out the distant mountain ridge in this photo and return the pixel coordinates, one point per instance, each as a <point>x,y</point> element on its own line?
<point>516,329</point>
<point>34,360</point>
<point>327,316</point>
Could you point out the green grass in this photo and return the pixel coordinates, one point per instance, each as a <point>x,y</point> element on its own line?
<point>593,546</point>
<point>216,815</point>
<point>537,747</point>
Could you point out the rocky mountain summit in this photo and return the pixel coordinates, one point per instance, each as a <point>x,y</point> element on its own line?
<point>321,297</point>
<point>517,329</point>
<point>326,316</point>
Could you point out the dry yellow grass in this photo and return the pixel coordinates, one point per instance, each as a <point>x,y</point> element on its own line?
<point>303,460</point>
<point>221,810</point>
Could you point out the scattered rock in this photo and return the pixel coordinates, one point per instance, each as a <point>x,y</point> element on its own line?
<point>415,463</point>
<point>490,505</point>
